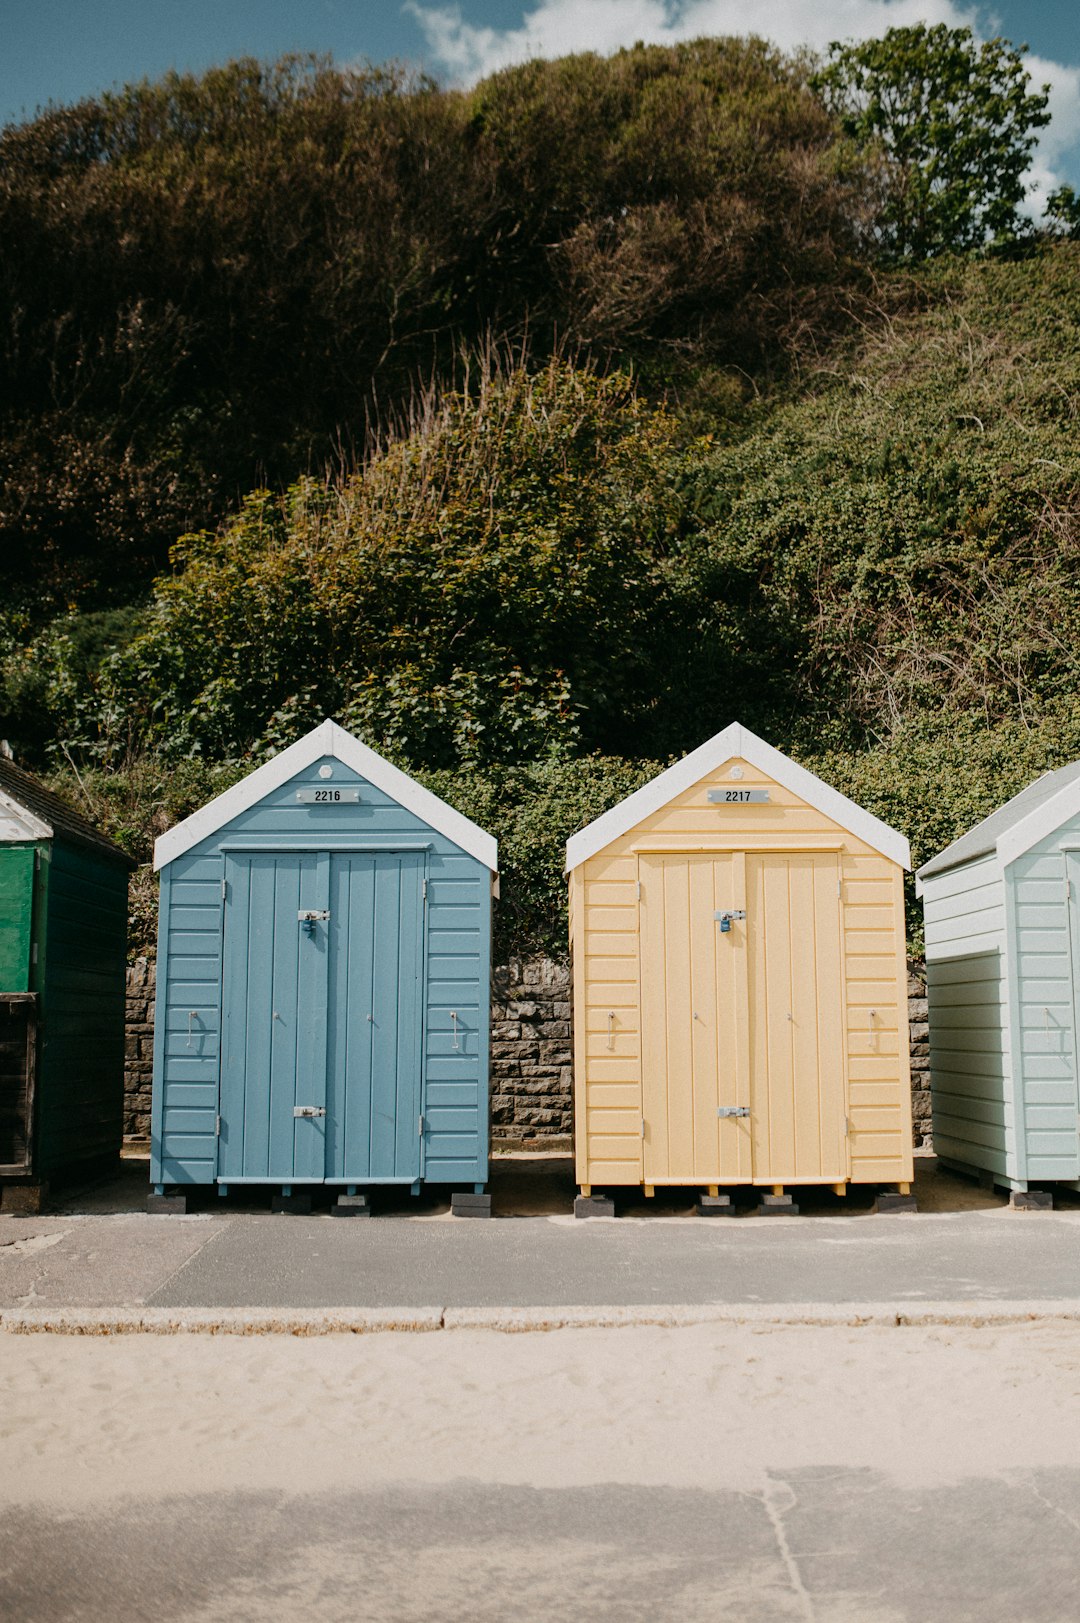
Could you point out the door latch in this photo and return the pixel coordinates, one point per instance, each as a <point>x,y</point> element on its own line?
<point>726,915</point>
<point>311,916</point>
<point>733,1110</point>
<point>309,1110</point>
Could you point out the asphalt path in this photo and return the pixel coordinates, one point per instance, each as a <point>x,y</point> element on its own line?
<point>103,1251</point>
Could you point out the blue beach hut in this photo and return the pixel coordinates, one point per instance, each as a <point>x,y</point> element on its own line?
<point>323,989</point>
<point>1002,910</point>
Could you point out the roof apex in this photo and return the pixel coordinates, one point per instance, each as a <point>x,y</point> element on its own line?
<point>735,740</point>
<point>328,738</point>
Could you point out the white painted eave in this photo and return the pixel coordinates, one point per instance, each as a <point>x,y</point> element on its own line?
<point>1039,824</point>
<point>30,825</point>
<point>328,739</point>
<point>735,741</point>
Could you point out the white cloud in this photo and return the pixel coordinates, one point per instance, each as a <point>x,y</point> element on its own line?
<point>467,51</point>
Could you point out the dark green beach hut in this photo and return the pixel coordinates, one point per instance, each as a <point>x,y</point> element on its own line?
<point>63,926</point>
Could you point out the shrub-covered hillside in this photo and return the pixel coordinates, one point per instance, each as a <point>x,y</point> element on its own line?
<point>213,283</point>
<point>535,433</point>
<point>545,589</point>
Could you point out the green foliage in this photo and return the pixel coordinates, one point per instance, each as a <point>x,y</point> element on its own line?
<point>905,540</point>
<point>1063,213</point>
<point>952,125</point>
<point>214,282</point>
<point>484,591</point>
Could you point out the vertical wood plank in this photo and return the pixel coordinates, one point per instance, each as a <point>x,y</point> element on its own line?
<point>706,1017</point>
<point>678,967</point>
<point>654,1020</point>
<point>831,1021</point>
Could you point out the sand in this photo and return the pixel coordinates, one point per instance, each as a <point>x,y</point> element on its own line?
<point>87,1420</point>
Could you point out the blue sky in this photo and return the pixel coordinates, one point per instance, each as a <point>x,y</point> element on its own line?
<point>60,50</point>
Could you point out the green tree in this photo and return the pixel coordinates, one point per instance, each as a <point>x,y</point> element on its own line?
<point>950,126</point>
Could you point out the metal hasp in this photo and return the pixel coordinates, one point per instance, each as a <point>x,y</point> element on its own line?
<point>733,1110</point>
<point>725,917</point>
<point>308,1110</point>
<point>311,916</point>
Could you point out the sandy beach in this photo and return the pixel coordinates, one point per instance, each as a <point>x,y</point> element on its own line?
<point>84,1420</point>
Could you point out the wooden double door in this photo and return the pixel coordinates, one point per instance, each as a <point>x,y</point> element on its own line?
<point>322,1018</point>
<point>742,1039</point>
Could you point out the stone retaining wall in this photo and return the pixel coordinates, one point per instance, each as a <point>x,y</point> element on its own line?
<point>139,1048</point>
<point>531,1059</point>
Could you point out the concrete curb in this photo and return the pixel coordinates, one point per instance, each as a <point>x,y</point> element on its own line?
<point>244,1321</point>
<point>518,1321</point>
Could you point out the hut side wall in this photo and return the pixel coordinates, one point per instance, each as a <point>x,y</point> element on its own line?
<point>1044,955</point>
<point>974,1108</point>
<point>80,1085</point>
<point>608,1082</point>
<point>184,1148</point>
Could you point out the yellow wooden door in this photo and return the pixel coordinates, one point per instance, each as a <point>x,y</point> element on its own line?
<point>798,1089</point>
<point>694,1037</point>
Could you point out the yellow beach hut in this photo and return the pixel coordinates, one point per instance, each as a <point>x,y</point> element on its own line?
<point>739,986</point>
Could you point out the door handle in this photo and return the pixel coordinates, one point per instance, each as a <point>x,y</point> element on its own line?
<point>309,1110</point>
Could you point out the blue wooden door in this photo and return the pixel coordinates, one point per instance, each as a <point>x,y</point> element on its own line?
<point>274,986</point>
<point>322,1018</point>
<point>375,1018</point>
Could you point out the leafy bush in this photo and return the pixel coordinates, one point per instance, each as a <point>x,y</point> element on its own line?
<point>483,592</point>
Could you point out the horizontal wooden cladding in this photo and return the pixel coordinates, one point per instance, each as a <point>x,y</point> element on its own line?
<point>616,1095</point>
<point>961,903</point>
<point>972,969</point>
<point>621,918</point>
<point>614,1147</point>
<point>958,881</point>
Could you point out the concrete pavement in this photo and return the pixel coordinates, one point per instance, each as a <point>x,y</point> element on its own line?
<point>98,1251</point>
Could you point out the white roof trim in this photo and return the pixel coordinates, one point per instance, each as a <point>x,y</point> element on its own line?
<point>740,741</point>
<point>1044,820</point>
<point>328,739</point>
<point>36,828</point>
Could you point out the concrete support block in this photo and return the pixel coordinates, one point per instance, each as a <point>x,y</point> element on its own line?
<point>777,1206</point>
<point>593,1206</point>
<point>351,1206</point>
<point>24,1199</point>
<point>468,1204</point>
<point>295,1205</point>
<point>1031,1200</point>
<point>715,1206</point>
<point>890,1201</point>
<point>174,1205</point>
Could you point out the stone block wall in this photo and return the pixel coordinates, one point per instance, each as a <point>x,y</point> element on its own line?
<point>139,1048</point>
<point>919,1035</point>
<point>531,1054</point>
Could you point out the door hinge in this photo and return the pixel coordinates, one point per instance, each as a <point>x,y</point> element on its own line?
<point>847,1126</point>
<point>643,1126</point>
<point>639,890</point>
<point>224,890</point>
<point>425,890</point>
<point>421,1126</point>
<point>1068,890</point>
<point>217,1126</point>
<point>839,887</point>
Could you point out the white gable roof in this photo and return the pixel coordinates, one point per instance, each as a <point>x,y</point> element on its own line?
<point>18,822</point>
<point>735,741</point>
<point>1015,827</point>
<point>328,739</point>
